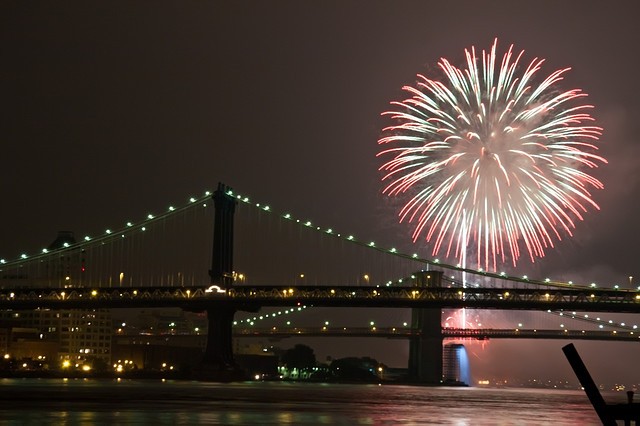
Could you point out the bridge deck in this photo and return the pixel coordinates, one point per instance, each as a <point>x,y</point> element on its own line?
<point>251,298</point>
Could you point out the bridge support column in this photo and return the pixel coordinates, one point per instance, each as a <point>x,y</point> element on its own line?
<point>221,271</point>
<point>218,363</point>
<point>219,352</point>
<point>425,351</point>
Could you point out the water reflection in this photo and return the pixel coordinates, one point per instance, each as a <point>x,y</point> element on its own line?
<point>87,402</point>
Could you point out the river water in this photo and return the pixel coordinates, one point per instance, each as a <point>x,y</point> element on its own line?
<point>143,402</point>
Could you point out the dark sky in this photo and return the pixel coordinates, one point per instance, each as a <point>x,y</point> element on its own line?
<point>109,110</point>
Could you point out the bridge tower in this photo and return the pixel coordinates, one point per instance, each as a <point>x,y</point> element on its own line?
<point>425,351</point>
<point>218,362</point>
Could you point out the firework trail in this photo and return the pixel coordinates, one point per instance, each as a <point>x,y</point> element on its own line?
<point>491,158</point>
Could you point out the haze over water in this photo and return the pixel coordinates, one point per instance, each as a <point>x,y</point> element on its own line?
<point>138,402</point>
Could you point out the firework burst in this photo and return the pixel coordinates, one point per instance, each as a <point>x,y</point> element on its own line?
<point>491,158</point>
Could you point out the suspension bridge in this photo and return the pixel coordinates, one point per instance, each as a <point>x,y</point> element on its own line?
<point>261,259</point>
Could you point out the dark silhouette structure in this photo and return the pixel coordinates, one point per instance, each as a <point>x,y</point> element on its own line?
<point>425,350</point>
<point>608,413</point>
<point>218,362</point>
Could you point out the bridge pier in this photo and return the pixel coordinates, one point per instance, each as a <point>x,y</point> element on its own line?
<point>218,363</point>
<point>425,351</point>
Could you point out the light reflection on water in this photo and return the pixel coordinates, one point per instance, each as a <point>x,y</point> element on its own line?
<point>131,402</point>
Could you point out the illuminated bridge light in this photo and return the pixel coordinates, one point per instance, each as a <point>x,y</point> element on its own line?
<point>87,238</point>
<point>329,231</point>
<point>266,208</point>
<point>94,293</point>
<point>393,250</point>
<point>415,256</point>
<point>371,244</point>
<point>171,208</point>
<point>308,223</point>
<point>3,261</point>
<point>23,256</point>
<point>207,193</point>
<point>246,199</point>
<point>435,260</point>
<point>546,280</point>
<point>108,231</point>
<point>150,216</point>
<point>43,250</point>
<point>287,216</point>
<point>593,284</point>
<point>66,244</point>
<point>129,224</point>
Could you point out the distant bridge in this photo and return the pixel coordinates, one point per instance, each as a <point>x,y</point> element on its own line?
<point>447,333</point>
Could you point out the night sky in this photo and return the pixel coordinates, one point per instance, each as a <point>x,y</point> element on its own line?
<point>110,110</point>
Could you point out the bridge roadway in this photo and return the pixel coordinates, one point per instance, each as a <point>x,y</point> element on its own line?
<point>447,333</point>
<point>255,297</point>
